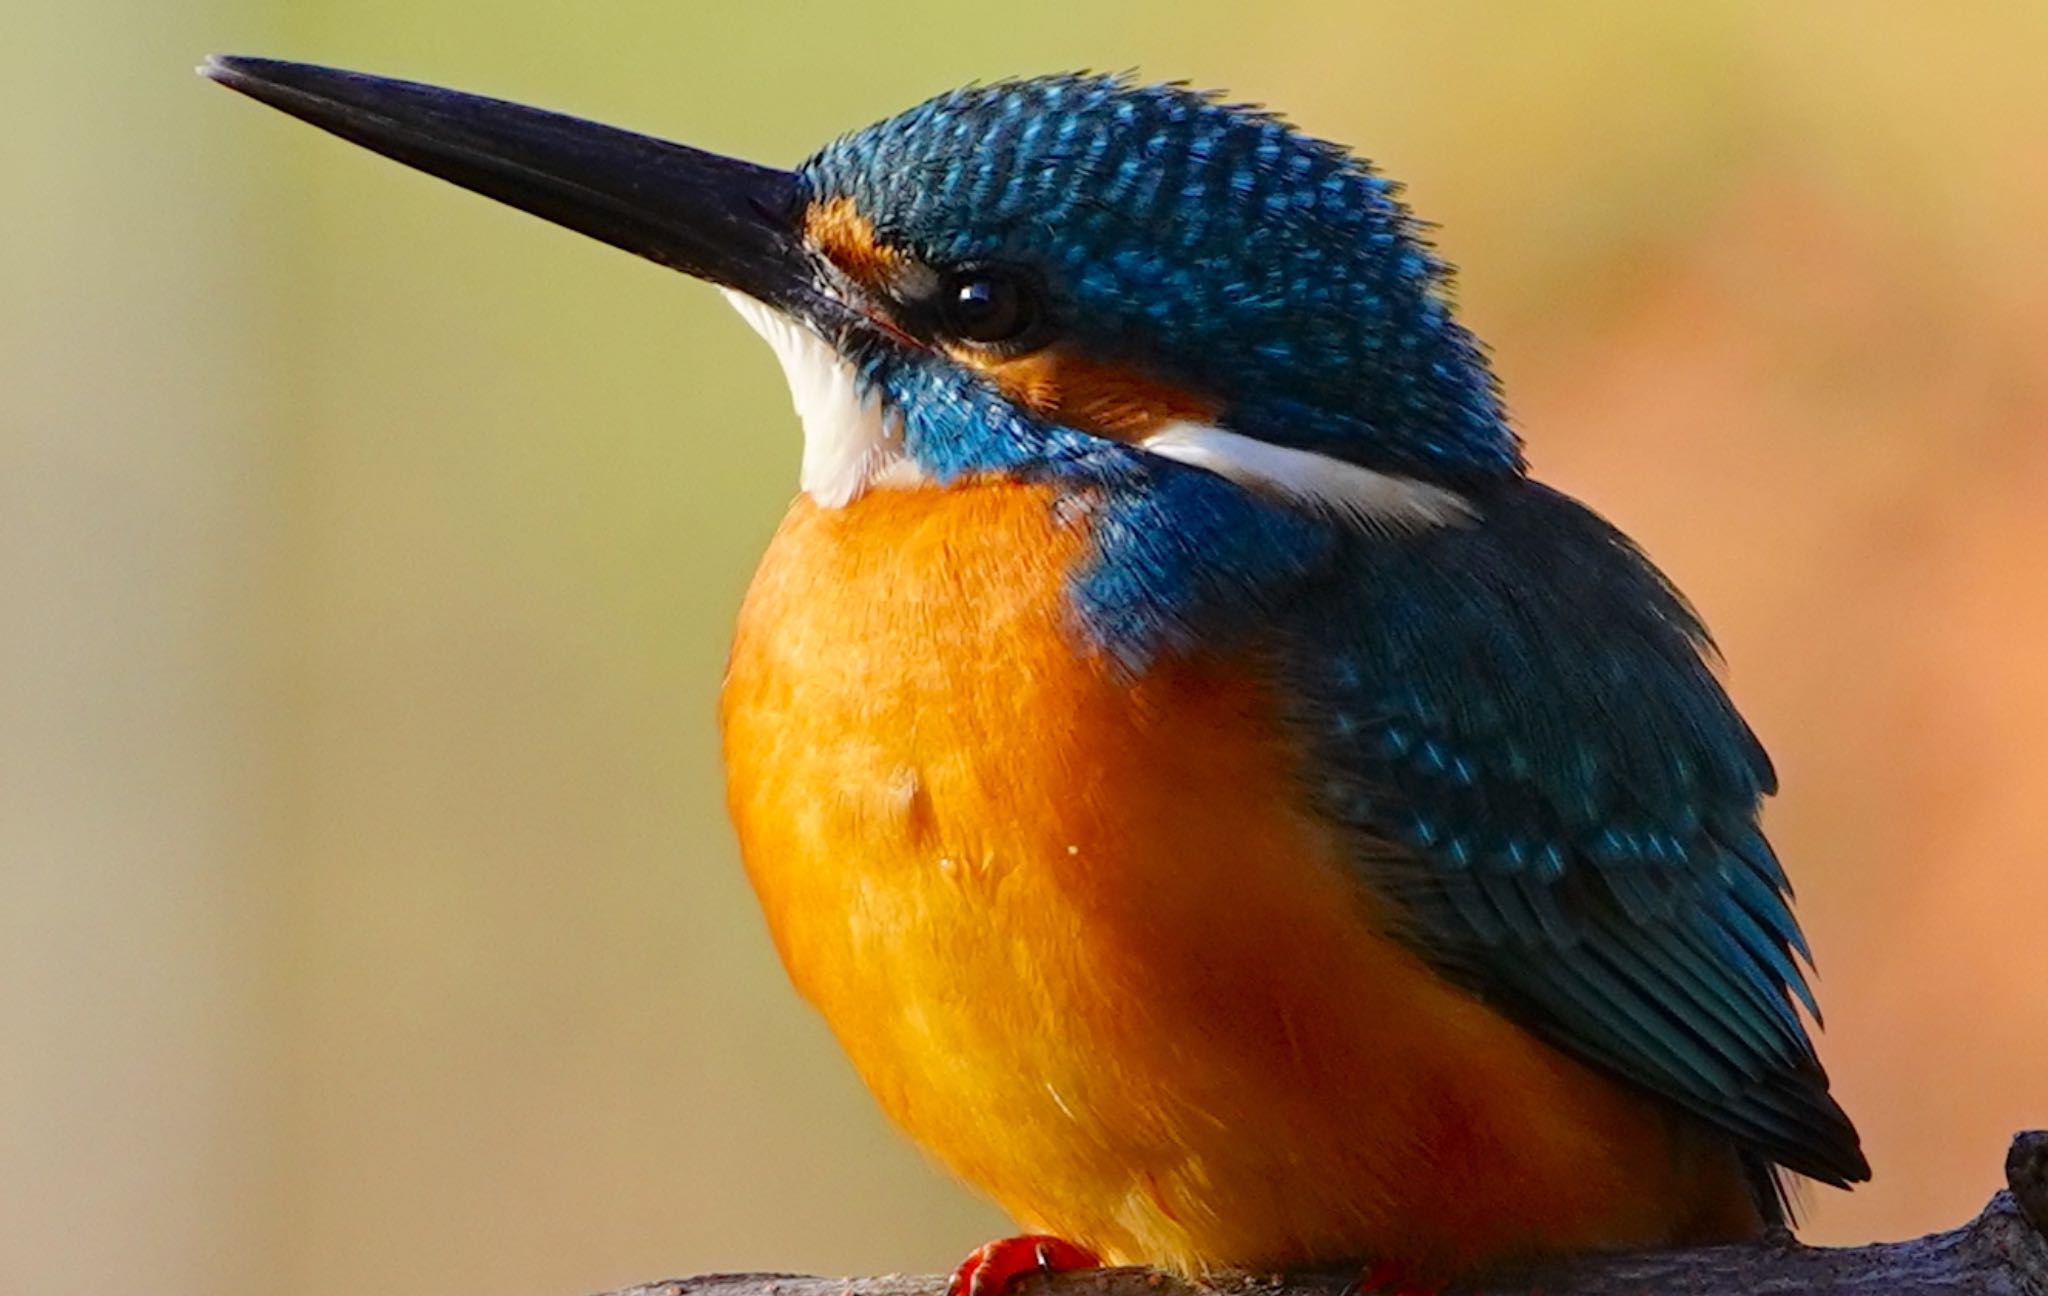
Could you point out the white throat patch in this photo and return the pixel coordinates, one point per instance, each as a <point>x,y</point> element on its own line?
<point>851,443</point>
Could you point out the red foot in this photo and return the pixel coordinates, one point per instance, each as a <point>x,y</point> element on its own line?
<point>1385,1278</point>
<point>992,1267</point>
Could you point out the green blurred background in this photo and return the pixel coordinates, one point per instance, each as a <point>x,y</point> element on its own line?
<point>368,918</point>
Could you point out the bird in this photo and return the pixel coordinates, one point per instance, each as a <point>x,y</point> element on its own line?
<point>1229,812</point>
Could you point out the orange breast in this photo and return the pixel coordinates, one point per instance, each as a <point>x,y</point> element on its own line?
<point>1081,940</point>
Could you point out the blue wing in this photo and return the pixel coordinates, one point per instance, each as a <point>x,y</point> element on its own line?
<point>1523,708</point>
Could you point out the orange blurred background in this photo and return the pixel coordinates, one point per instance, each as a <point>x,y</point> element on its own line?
<point>368,920</point>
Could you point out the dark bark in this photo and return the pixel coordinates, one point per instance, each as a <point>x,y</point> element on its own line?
<point>2003,1252</point>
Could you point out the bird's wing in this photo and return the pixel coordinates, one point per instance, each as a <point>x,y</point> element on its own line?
<point>1523,710</point>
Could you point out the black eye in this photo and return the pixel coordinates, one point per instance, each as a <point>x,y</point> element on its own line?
<point>986,306</point>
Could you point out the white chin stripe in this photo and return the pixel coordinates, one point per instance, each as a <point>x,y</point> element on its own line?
<point>1375,500</point>
<point>850,441</point>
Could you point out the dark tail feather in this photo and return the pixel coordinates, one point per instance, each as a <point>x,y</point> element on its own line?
<point>1772,1188</point>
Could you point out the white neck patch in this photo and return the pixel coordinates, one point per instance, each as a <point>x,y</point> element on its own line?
<point>1374,500</point>
<point>851,443</point>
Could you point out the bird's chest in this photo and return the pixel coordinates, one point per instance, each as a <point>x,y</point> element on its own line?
<point>912,743</point>
<point>988,859</point>
<point>936,784</point>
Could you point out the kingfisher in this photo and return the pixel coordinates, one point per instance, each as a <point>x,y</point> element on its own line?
<point>1227,810</point>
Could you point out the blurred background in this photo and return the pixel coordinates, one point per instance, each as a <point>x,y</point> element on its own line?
<point>368,917</point>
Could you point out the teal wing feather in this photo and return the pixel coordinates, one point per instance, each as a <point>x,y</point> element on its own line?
<point>1524,710</point>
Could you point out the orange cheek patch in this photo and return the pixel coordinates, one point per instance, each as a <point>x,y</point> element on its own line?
<point>1101,398</point>
<point>845,236</point>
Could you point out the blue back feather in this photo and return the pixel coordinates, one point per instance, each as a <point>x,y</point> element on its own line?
<point>1523,711</point>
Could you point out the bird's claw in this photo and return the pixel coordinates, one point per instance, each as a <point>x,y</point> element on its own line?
<point>992,1267</point>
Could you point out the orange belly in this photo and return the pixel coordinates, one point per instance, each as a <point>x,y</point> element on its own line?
<point>1084,944</point>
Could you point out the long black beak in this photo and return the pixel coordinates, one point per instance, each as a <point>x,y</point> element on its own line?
<point>718,218</point>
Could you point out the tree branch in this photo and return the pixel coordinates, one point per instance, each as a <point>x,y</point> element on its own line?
<point>2003,1252</point>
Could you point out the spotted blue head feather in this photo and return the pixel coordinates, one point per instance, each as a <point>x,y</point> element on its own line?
<point>1209,243</point>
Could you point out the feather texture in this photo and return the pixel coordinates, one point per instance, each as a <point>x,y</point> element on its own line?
<point>1578,801</point>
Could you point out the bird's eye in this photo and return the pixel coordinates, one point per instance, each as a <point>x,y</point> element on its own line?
<point>987,306</point>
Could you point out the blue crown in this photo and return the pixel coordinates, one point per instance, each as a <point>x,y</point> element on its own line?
<point>1210,245</point>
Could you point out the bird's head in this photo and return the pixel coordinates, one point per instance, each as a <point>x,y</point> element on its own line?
<point>1065,274</point>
